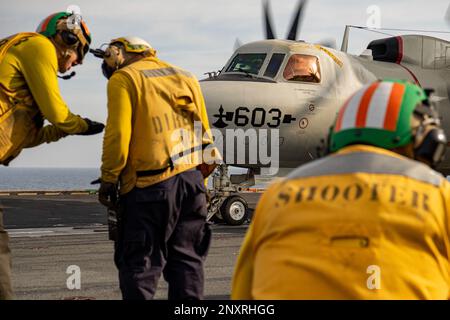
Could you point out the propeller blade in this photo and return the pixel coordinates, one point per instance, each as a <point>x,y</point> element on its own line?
<point>237,44</point>
<point>270,34</point>
<point>292,35</point>
<point>447,16</point>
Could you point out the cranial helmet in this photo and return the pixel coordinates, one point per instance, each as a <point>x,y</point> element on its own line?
<point>72,29</point>
<point>115,55</point>
<point>133,44</point>
<point>382,114</point>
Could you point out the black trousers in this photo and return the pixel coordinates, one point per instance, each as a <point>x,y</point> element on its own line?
<point>164,230</point>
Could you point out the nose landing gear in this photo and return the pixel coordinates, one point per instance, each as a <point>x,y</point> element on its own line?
<point>225,202</point>
<point>234,210</point>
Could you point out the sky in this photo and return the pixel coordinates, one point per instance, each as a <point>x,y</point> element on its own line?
<point>198,36</point>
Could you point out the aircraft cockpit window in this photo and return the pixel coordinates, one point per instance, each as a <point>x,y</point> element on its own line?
<point>247,62</point>
<point>274,65</point>
<point>302,67</point>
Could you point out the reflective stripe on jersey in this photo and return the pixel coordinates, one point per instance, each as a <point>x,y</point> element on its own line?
<point>162,72</point>
<point>368,162</point>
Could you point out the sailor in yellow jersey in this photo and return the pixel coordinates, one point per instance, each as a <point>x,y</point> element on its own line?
<point>29,94</point>
<point>366,221</point>
<point>157,150</point>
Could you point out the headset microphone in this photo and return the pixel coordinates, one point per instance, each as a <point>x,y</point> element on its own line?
<point>67,77</point>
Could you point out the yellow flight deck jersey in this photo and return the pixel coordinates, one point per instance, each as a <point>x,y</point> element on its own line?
<point>29,93</point>
<point>363,223</point>
<point>149,102</point>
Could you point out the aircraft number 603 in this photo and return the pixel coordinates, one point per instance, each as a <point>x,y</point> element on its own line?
<point>257,117</point>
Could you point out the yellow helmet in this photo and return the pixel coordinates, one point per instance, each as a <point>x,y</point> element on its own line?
<point>133,44</point>
<point>114,56</point>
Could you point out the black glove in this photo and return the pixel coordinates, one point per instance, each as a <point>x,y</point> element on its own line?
<point>93,127</point>
<point>107,194</point>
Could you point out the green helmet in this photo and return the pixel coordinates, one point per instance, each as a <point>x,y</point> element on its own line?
<point>378,114</point>
<point>78,36</point>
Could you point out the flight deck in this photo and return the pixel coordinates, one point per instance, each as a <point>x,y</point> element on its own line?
<point>51,231</point>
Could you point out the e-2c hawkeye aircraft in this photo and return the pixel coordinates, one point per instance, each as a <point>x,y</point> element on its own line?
<point>297,88</point>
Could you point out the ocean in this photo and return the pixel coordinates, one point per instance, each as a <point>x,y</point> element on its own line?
<point>59,179</point>
<point>47,178</point>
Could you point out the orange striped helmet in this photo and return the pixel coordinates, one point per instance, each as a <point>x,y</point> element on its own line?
<point>78,35</point>
<point>378,114</point>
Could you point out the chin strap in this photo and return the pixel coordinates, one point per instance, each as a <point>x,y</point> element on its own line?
<point>67,77</point>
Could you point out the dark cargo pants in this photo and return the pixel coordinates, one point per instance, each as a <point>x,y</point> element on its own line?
<point>164,230</point>
<point>5,263</point>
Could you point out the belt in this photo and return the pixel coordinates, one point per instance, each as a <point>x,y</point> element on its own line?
<point>146,173</point>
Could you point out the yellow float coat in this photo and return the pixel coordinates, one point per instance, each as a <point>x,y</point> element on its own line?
<point>364,223</point>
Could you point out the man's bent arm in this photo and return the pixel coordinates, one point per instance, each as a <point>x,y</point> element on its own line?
<point>39,66</point>
<point>118,127</point>
<point>47,134</point>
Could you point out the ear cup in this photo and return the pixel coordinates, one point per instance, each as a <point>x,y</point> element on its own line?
<point>114,57</point>
<point>431,147</point>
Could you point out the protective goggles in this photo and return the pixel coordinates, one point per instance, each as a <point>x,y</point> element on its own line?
<point>76,40</point>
